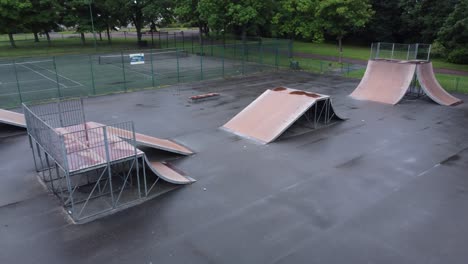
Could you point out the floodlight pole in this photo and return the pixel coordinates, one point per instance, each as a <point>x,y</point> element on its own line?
<point>92,23</point>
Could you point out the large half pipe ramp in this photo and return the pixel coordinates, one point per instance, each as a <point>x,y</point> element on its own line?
<point>431,86</point>
<point>152,142</point>
<point>12,118</point>
<point>385,81</point>
<point>167,172</point>
<point>274,111</point>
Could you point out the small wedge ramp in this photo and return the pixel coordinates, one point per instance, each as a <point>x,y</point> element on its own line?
<point>148,141</point>
<point>431,86</point>
<point>274,111</point>
<point>167,172</point>
<point>385,81</point>
<point>12,118</point>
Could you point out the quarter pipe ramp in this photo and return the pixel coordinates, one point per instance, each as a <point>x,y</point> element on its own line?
<point>385,81</point>
<point>12,118</point>
<point>431,86</point>
<point>274,111</point>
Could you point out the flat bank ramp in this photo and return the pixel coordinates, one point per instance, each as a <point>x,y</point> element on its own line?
<point>167,172</point>
<point>149,141</point>
<point>272,113</point>
<point>385,81</point>
<point>12,118</point>
<point>431,86</point>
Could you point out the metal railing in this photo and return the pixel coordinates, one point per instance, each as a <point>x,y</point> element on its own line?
<point>397,51</point>
<point>84,164</point>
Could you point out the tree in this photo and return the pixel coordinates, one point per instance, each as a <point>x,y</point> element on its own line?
<point>214,14</point>
<point>454,34</point>
<point>293,19</point>
<point>12,13</point>
<point>77,15</point>
<point>43,17</point>
<point>187,11</point>
<point>339,17</point>
<point>384,25</point>
<point>421,20</point>
<point>248,14</point>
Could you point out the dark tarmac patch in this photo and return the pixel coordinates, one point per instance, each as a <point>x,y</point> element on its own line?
<point>350,163</point>
<point>451,160</point>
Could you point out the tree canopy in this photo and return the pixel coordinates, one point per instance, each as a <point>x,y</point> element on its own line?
<point>423,21</point>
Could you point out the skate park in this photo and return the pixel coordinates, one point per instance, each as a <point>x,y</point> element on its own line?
<point>357,187</point>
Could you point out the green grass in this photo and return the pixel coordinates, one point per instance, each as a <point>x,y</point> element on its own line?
<point>358,52</point>
<point>68,46</point>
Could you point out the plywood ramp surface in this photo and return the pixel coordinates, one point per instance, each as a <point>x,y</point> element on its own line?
<point>149,141</point>
<point>431,86</point>
<point>12,118</point>
<point>385,81</point>
<point>274,111</point>
<point>167,173</point>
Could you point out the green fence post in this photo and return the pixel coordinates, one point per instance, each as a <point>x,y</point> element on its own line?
<point>243,58</point>
<point>192,44</point>
<point>260,51</point>
<point>159,39</point>
<point>222,59</point>
<point>276,58</point>
<point>17,82</point>
<point>457,82</point>
<point>123,72</point>
<point>92,74</point>
<point>321,67</point>
<point>175,40</point>
<point>56,77</point>
<point>178,69</point>
<point>167,40</point>
<point>201,61</point>
<point>183,40</point>
<point>152,68</point>
<point>347,71</point>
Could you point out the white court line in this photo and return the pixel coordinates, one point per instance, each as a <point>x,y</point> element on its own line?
<point>79,84</point>
<point>144,74</point>
<point>38,80</point>
<point>45,76</point>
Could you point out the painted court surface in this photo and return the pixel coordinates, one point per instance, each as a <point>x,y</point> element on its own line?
<point>388,185</point>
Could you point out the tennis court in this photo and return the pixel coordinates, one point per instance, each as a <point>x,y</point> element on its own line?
<point>42,78</point>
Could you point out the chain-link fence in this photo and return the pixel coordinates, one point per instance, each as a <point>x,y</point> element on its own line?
<point>43,78</point>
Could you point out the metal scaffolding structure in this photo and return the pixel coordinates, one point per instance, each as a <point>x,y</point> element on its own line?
<point>93,171</point>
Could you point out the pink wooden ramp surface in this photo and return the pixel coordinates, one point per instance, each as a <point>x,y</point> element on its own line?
<point>274,111</point>
<point>86,148</point>
<point>167,172</point>
<point>385,81</point>
<point>153,142</point>
<point>12,118</point>
<point>431,86</point>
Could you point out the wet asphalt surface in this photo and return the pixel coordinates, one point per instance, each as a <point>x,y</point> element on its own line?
<point>389,185</point>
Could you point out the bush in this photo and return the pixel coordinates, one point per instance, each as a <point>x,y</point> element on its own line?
<point>458,55</point>
<point>438,51</point>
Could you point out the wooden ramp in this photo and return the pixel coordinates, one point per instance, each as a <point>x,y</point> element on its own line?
<point>431,86</point>
<point>166,172</point>
<point>149,141</point>
<point>12,118</point>
<point>385,81</point>
<point>274,111</point>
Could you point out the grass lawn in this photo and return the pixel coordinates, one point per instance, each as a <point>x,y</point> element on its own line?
<point>358,52</point>
<point>29,48</point>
